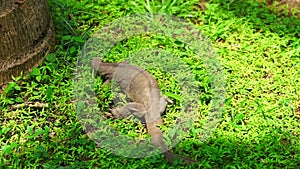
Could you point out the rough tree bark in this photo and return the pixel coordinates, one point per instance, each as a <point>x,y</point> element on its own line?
<point>26,36</point>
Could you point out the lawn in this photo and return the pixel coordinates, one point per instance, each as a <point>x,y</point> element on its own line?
<point>258,46</point>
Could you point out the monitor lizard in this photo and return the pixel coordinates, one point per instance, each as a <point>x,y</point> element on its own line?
<point>142,89</point>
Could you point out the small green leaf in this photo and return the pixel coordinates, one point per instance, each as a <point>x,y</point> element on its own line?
<point>39,131</point>
<point>51,57</point>
<point>38,78</point>
<point>80,107</point>
<point>284,102</point>
<point>47,129</point>
<point>17,87</point>
<point>49,93</point>
<point>10,87</point>
<point>72,50</point>
<point>174,96</point>
<point>19,100</point>
<point>66,38</point>
<point>196,131</point>
<point>45,77</point>
<point>8,148</point>
<point>239,117</point>
<point>11,101</point>
<point>188,61</point>
<point>4,130</point>
<point>30,130</point>
<point>35,71</point>
<point>78,39</point>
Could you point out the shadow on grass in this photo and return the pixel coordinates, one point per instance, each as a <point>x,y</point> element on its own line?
<point>274,148</point>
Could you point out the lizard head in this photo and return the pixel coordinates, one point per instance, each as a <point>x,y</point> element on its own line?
<point>103,68</point>
<point>96,62</point>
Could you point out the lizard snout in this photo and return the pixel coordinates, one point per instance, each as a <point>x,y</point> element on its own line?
<point>95,63</point>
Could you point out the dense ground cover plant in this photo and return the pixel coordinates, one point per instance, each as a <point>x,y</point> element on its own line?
<point>258,46</point>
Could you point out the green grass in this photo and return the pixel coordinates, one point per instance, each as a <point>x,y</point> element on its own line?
<point>259,48</point>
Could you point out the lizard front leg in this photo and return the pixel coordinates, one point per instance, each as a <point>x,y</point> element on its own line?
<point>163,101</point>
<point>137,109</point>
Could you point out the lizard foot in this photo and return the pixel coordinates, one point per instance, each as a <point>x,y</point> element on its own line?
<point>137,109</point>
<point>116,113</point>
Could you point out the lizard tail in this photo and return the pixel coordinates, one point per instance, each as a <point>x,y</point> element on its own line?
<point>169,155</point>
<point>157,139</point>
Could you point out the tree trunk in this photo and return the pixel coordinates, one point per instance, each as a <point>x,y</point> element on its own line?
<point>26,36</point>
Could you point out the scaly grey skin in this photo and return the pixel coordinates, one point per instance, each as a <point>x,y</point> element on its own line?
<point>142,89</point>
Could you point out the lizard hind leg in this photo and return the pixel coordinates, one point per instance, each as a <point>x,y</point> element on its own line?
<point>137,109</point>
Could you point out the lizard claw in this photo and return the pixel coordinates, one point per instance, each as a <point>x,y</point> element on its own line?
<point>169,100</point>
